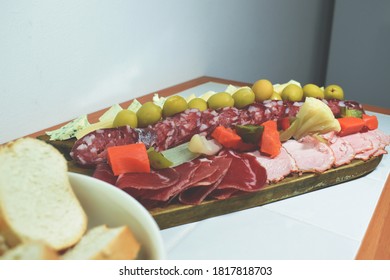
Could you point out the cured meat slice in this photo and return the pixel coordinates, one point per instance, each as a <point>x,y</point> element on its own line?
<point>359,143</point>
<point>104,172</point>
<point>92,148</point>
<point>148,181</point>
<point>278,167</point>
<point>244,173</point>
<point>186,172</point>
<point>310,154</point>
<point>202,187</point>
<point>376,146</point>
<point>384,141</point>
<point>177,129</point>
<point>342,150</point>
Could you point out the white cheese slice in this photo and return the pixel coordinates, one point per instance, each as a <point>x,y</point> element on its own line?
<point>207,95</point>
<point>93,127</point>
<point>134,106</point>
<point>111,113</point>
<point>159,101</point>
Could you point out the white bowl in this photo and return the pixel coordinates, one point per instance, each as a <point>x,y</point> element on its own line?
<point>106,204</point>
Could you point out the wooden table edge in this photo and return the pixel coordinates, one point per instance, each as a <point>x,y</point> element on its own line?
<point>375,244</point>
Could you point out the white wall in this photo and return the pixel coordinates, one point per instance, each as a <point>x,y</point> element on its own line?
<point>359,57</point>
<point>61,59</point>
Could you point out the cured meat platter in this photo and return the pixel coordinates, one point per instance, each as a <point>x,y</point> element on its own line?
<point>300,165</point>
<point>178,214</point>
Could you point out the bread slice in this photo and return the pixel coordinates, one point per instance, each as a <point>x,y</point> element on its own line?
<point>3,245</point>
<point>32,250</point>
<point>36,199</point>
<point>103,243</point>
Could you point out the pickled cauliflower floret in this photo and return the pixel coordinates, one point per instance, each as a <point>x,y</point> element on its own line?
<point>313,117</point>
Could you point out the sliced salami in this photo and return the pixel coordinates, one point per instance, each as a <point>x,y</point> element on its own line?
<point>92,148</point>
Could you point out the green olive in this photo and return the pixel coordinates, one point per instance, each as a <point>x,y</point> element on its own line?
<point>243,97</point>
<point>220,100</point>
<point>125,117</point>
<point>197,103</point>
<point>334,91</point>
<point>312,90</point>
<point>148,114</point>
<point>292,92</point>
<point>263,89</point>
<point>173,105</point>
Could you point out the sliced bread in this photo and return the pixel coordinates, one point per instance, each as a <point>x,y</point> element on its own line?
<point>32,250</point>
<point>103,243</point>
<point>36,199</point>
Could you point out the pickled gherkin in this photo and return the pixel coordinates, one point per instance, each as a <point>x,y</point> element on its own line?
<point>250,133</point>
<point>157,160</point>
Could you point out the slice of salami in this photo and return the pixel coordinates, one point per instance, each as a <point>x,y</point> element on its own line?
<point>92,148</point>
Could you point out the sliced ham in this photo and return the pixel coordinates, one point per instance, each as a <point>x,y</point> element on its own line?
<point>278,167</point>
<point>342,150</point>
<point>200,189</point>
<point>384,141</point>
<point>358,143</point>
<point>310,154</point>
<point>245,174</point>
<point>375,145</point>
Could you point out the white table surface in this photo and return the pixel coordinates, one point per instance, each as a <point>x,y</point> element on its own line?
<point>324,224</point>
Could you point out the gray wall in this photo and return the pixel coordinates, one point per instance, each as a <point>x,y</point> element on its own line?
<point>359,57</point>
<point>61,59</point>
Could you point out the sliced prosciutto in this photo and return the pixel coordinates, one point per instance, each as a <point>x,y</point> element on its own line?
<point>309,154</point>
<point>198,191</point>
<point>104,172</point>
<point>244,174</point>
<point>278,167</point>
<point>150,181</point>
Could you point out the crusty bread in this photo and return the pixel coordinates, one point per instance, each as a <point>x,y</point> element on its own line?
<point>31,250</point>
<point>103,243</point>
<point>36,198</point>
<point>3,245</point>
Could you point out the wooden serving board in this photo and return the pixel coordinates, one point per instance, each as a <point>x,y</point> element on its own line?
<point>177,214</point>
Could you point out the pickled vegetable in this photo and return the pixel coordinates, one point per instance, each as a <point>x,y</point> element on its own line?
<point>314,116</point>
<point>173,105</point>
<point>347,112</point>
<point>199,144</point>
<point>243,97</point>
<point>250,133</point>
<point>148,114</point>
<point>125,117</point>
<point>220,100</point>
<point>158,160</point>
<point>197,103</point>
